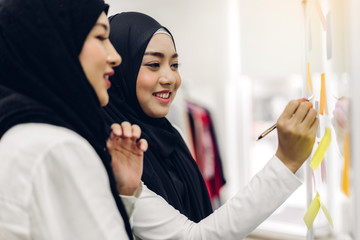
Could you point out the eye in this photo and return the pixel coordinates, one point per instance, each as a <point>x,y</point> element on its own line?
<point>175,65</point>
<point>153,65</point>
<point>101,38</point>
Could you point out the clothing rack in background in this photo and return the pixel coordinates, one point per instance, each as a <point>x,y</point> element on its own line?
<point>205,150</point>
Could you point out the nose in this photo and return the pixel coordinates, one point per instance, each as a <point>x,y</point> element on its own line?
<point>114,59</point>
<point>167,77</point>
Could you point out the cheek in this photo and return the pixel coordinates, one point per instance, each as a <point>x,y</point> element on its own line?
<point>145,81</point>
<point>178,81</point>
<point>84,57</point>
<point>92,55</point>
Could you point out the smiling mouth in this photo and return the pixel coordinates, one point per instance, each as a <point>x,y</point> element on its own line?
<point>106,78</point>
<point>162,95</point>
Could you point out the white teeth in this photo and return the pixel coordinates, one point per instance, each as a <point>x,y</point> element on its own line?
<point>162,95</point>
<point>107,76</point>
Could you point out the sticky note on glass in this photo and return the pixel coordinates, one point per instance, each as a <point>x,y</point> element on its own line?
<point>309,82</point>
<point>327,214</point>
<point>321,149</point>
<point>321,14</point>
<point>345,185</point>
<point>313,210</point>
<point>323,100</point>
<point>323,172</point>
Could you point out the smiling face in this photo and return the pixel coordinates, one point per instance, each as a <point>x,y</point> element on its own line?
<point>158,78</point>
<point>98,57</point>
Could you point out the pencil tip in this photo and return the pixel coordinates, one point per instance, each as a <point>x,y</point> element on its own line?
<point>260,137</point>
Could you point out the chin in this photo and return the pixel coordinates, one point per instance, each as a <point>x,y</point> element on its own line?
<point>104,101</point>
<point>158,114</point>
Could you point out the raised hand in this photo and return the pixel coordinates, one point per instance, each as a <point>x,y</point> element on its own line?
<point>126,156</point>
<point>296,129</point>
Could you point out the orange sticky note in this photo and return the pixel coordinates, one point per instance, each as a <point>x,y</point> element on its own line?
<point>309,82</point>
<point>345,185</point>
<point>323,100</point>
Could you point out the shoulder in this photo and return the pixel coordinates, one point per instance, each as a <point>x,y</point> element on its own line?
<point>33,133</point>
<point>35,139</point>
<point>32,144</point>
<point>42,151</point>
<point>26,148</point>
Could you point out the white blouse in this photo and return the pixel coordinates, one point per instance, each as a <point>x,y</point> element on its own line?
<point>154,218</point>
<point>54,186</point>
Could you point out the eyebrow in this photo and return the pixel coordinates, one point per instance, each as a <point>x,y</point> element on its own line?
<point>159,54</point>
<point>102,25</point>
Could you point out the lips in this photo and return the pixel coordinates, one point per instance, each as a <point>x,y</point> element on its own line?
<point>163,96</point>
<point>106,77</point>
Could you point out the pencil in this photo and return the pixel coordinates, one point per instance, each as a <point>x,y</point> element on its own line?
<point>270,129</point>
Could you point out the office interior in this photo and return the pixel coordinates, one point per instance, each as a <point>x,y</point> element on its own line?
<point>243,60</point>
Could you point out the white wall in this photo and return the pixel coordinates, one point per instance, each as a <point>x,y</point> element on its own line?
<point>272,37</point>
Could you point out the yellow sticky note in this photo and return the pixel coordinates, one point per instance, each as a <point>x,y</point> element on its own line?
<point>323,100</point>
<point>321,150</point>
<point>309,82</point>
<point>312,211</point>
<point>345,185</point>
<point>327,214</point>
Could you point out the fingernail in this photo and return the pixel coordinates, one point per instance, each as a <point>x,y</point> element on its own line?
<point>117,131</point>
<point>127,133</point>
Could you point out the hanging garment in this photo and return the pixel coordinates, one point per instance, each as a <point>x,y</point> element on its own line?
<point>206,150</point>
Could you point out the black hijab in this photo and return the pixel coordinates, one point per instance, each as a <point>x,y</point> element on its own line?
<point>169,169</point>
<point>41,78</point>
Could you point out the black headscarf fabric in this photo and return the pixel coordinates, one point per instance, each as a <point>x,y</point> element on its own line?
<point>41,78</point>
<point>169,169</point>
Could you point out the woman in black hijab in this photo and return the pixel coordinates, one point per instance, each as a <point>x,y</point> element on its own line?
<point>144,86</point>
<point>169,169</point>
<point>56,180</point>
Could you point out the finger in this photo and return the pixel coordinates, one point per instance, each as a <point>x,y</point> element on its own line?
<point>126,127</point>
<point>302,111</point>
<point>310,117</point>
<point>116,129</point>
<point>109,145</point>
<point>290,109</point>
<point>142,144</point>
<point>315,125</point>
<point>136,131</point>
<point>306,100</point>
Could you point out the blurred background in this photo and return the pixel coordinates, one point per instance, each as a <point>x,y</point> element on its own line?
<point>241,61</point>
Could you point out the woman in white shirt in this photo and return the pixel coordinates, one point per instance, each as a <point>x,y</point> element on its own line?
<point>56,180</point>
<point>174,203</point>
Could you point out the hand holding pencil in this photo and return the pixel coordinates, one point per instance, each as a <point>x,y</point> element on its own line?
<point>296,129</point>
<point>273,127</point>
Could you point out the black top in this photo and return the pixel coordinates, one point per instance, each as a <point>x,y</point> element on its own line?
<point>41,78</point>
<point>169,169</point>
